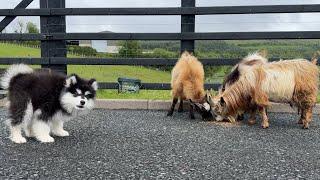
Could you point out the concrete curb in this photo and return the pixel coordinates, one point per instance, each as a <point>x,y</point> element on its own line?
<point>165,105</point>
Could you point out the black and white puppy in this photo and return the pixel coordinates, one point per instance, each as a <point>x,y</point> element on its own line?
<point>40,102</point>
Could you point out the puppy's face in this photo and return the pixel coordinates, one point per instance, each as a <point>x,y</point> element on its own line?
<point>79,94</point>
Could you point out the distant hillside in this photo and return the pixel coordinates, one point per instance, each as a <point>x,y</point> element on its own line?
<point>238,49</point>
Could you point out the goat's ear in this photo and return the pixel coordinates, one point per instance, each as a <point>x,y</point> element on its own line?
<point>212,92</point>
<point>222,102</point>
<point>263,52</point>
<point>94,84</point>
<point>71,80</point>
<point>220,90</point>
<point>209,98</point>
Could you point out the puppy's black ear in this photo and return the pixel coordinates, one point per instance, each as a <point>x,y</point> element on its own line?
<point>94,84</point>
<point>71,80</point>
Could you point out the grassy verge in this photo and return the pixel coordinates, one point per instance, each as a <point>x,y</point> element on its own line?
<point>101,73</point>
<point>143,94</point>
<point>111,73</point>
<point>14,50</point>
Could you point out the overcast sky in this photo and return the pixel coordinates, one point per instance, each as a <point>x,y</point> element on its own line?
<point>207,23</point>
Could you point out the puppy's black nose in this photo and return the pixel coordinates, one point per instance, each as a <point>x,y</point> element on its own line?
<point>82,102</point>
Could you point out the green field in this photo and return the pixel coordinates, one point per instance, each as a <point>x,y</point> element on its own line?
<point>111,73</point>
<point>102,73</point>
<point>143,94</point>
<point>204,49</point>
<point>14,50</point>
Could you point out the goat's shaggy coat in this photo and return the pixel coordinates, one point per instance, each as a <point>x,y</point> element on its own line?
<point>289,81</point>
<point>187,82</point>
<point>242,67</point>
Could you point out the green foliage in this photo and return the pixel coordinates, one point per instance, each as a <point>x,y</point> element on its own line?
<point>29,27</point>
<point>32,28</point>
<point>130,49</point>
<point>158,53</point>
<point>167,45</point>
<point>161,53</point>
<point>83,51</point>
<point>215,74</point>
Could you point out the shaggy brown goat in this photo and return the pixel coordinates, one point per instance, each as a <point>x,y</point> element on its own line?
<point>290,81</point>
<point>187,82</point>
<point>243,66</point>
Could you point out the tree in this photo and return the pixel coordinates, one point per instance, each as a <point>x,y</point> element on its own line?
<point>130,49</point>
<point>32,28</point>
<point>20,27</point>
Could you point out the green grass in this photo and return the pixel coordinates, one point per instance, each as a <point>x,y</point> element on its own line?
<point>13,50</point>
<point>143,94</point>
<point>111,73</point>
<point>101,73</point>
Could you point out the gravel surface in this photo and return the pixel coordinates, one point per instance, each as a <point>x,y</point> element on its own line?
<point>109,144</point>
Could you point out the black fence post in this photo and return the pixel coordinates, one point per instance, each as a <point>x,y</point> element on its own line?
<point>187,25</point>
<point>53,24</point>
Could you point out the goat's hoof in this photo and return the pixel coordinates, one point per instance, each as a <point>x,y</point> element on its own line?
<point>300,121</point>
<point>305,126</point>
<point>265,126</point>
<point>180,110</point>
<point>169,113</point>
<point>251,121</point>
<point>240,117</point>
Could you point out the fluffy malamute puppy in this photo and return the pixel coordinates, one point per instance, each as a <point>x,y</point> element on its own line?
<point>41,101</point>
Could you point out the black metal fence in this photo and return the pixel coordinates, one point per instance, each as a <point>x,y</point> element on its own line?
<point>53,37</point>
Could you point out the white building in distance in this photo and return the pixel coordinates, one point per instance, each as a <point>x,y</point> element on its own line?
<point>104,46</point>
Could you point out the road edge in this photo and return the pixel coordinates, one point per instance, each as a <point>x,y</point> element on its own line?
<point>138,104</point>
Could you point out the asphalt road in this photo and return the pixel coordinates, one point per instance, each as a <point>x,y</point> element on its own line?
<point>110,144</point>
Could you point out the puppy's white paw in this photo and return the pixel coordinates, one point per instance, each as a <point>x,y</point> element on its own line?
<point>46,139</point>
<point>61,133</point>
<point>19,140</point>
<point>28,133</point>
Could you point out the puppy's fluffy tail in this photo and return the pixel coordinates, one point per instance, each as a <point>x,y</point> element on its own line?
<point>13,71</point>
